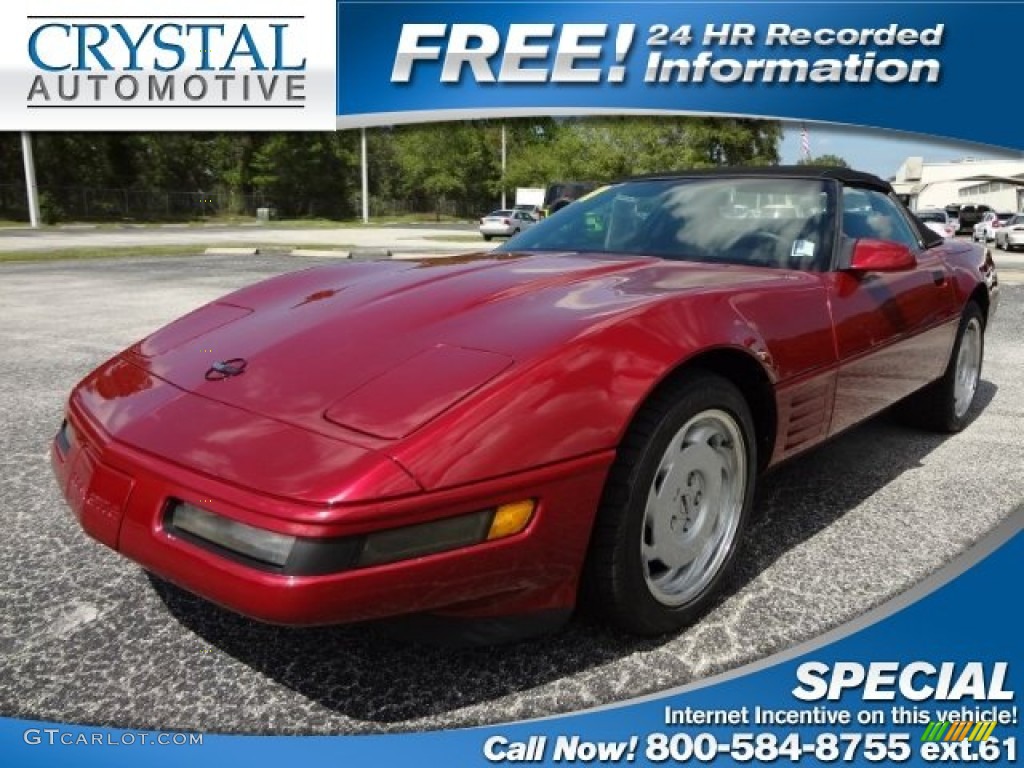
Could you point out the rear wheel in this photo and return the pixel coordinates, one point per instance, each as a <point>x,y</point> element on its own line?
<point>943,406</point>
<point>674,508</point>
<point>487,238</point>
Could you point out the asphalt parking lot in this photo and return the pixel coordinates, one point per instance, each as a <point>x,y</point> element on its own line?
<point>86,637</point>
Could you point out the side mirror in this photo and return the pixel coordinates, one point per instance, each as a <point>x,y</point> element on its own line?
<point>881,256</point>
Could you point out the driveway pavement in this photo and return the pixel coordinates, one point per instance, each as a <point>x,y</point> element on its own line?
<point>86,636</point>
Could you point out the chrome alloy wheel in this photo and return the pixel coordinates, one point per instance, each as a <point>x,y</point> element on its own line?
<point>694,507</point>
<point>968,368</point>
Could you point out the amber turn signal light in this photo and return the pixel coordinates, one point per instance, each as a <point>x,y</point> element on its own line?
<point>510,519</point>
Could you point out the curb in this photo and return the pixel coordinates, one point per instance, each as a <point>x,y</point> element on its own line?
<point>312,252</point>
<point>370,254</point>
<point>232,252</point>
<point>359,254</point>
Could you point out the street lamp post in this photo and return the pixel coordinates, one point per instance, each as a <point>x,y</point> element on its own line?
<point>504,163</point>
<point>30,179</point>
<point>366,178</point>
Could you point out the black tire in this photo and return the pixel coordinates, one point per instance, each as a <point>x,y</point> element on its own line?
<point>615,583</point>
<point>487,238</point>
<point>934,407</point>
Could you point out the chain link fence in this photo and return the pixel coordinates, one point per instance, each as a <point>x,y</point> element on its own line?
<point>89,204</point>
<point>93,204</point>
<point>386,208</point>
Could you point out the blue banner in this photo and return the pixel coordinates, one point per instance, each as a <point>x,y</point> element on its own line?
<point>908,66</point>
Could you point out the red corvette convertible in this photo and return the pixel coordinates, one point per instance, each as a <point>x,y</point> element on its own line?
<point>583,412</point>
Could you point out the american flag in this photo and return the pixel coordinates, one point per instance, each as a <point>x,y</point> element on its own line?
<point>805,142</point>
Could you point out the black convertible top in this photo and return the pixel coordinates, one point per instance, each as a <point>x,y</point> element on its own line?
<point>845,175</point>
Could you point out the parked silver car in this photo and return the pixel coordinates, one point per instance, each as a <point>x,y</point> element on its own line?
<point>985,230</point>
<point>506,223</point>
<point>1011,234</point>
<point>937,220</point>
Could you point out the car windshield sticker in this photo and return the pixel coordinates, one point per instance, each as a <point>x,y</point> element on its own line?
<point>803,249</point>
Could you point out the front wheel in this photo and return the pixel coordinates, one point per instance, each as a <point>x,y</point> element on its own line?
<point>674,508</point>
<point>943,406</point>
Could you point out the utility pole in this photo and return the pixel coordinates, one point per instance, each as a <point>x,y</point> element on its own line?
<point>366,179</point>
<point>30,179</point>
<point>504,163</point>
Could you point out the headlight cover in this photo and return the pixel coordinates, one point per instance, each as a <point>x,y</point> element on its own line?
<point>295,556</point>
<point>256,543</point>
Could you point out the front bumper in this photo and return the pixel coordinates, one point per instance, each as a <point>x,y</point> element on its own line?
<point>120,495</point>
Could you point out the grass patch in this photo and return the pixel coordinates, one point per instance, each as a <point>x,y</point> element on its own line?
<point>77,254</point>
<point>412,219</point>
<point>155,251</point>
<point>375,221</point>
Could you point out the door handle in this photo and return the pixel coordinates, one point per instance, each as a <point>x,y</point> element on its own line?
<point>939,278</point>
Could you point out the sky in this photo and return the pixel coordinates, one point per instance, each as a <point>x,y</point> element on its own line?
<point>879,151</point>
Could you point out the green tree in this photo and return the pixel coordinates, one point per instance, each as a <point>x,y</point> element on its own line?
<point>231,155</point>
<point>442,162</point>
<point>433,167</point>
<point>175,162</point>
<point>604,149</point>
<point>824,160</point>
<point>307,174</point>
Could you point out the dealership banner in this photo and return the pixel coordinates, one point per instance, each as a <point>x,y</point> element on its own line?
<point>933,676</point>
<point>314,65</point>
<point>188,65</point>
<point>902,65</point>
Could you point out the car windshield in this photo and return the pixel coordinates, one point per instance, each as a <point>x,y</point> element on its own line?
<point>1004,216</point>
<point>500,214</point>
<point>770,221</point>
<point>932,216</point>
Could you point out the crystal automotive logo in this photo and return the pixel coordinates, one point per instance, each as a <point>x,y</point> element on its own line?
<point>160,63</point>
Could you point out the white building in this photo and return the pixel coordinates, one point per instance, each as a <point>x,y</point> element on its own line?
<point>997,183</point>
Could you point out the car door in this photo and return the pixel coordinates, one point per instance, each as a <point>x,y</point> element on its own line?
<point>893,330</point>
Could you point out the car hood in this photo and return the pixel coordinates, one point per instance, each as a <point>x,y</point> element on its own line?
<point>379,349</point>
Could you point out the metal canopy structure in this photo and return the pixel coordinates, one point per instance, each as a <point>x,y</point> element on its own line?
<point>1014,181</point>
